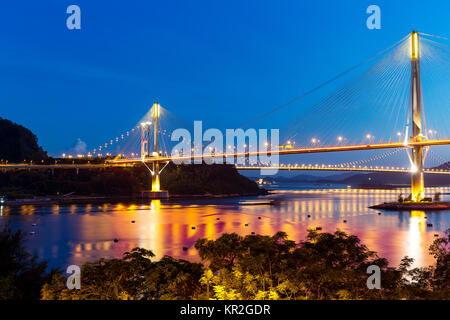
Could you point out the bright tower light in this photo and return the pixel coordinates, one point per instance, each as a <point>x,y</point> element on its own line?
<point>156,110</point>
<point>414,45</point>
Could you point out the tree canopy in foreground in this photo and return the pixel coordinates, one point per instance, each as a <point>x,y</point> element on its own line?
<point>323,266</point>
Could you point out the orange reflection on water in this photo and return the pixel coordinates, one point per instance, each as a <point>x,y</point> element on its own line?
<point>87,232</point>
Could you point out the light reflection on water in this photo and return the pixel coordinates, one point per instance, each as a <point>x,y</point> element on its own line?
<point>74,234</point>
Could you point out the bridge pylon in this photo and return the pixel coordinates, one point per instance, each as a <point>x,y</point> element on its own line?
<point>417,182</point>
<point>156,172</point>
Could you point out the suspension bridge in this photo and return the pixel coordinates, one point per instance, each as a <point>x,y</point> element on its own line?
<point>387,93</point>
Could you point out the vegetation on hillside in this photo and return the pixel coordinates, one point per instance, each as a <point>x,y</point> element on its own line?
<point>18,143</point>
<point>183,179</point>
<point>202,178</point>
<point>323,266</point>
<point>21,274</point>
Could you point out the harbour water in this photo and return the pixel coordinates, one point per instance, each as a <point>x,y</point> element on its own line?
<point>75,234</point>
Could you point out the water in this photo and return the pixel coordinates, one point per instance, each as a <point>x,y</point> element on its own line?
<point>77,233</point>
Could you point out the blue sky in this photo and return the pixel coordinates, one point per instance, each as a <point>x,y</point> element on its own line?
<point>223,62</point>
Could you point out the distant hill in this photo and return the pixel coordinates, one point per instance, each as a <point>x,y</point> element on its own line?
<point>17,143</point>
<point>376,179</point>
<point>397,179</point>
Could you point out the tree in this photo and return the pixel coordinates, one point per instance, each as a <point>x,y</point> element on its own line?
<point>18,143</point>
<point>21,275</point>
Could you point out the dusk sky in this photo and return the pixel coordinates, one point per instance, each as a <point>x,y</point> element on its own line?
<point>223,62</point>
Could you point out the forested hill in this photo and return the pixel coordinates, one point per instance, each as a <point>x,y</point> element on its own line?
<point>17,143</point>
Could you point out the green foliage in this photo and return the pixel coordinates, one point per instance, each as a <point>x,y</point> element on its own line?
<point>324,266</point>
<point>186,179</point>
<point>115,181</point>
<point>21,275</point>
<point>18,143</point>
<point>133,277</point>
<point>202,179</point>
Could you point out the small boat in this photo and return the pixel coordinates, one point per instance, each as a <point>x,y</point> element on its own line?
<point>257,202</point>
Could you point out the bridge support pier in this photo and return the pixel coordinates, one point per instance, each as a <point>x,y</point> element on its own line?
<point>155,177</point>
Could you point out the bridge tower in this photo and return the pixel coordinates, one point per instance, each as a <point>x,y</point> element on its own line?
<point>155,174</point>
<point>417,183</point>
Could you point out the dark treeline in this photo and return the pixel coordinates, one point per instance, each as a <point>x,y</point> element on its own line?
<point>18,143</point>
<point>323,266</point>
<point>181,179</point>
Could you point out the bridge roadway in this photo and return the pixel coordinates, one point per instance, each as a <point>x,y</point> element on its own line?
<point>316,167</point>
<point>282,167</point>
<point>129,162</point>
<point>391,145</point>
<point>63,166</point>
<point>331,168</point>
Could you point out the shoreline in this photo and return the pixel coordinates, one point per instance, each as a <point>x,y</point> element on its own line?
<point>45,201</point>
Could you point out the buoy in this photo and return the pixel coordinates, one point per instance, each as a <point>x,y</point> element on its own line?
<point>116,240</point>
<point>185,248</point>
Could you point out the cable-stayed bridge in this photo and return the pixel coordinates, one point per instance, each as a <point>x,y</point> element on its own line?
<point>376,105</point>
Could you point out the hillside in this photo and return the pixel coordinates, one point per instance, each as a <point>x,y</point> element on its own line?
<point>17,143</point>
<point>377,179</point>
